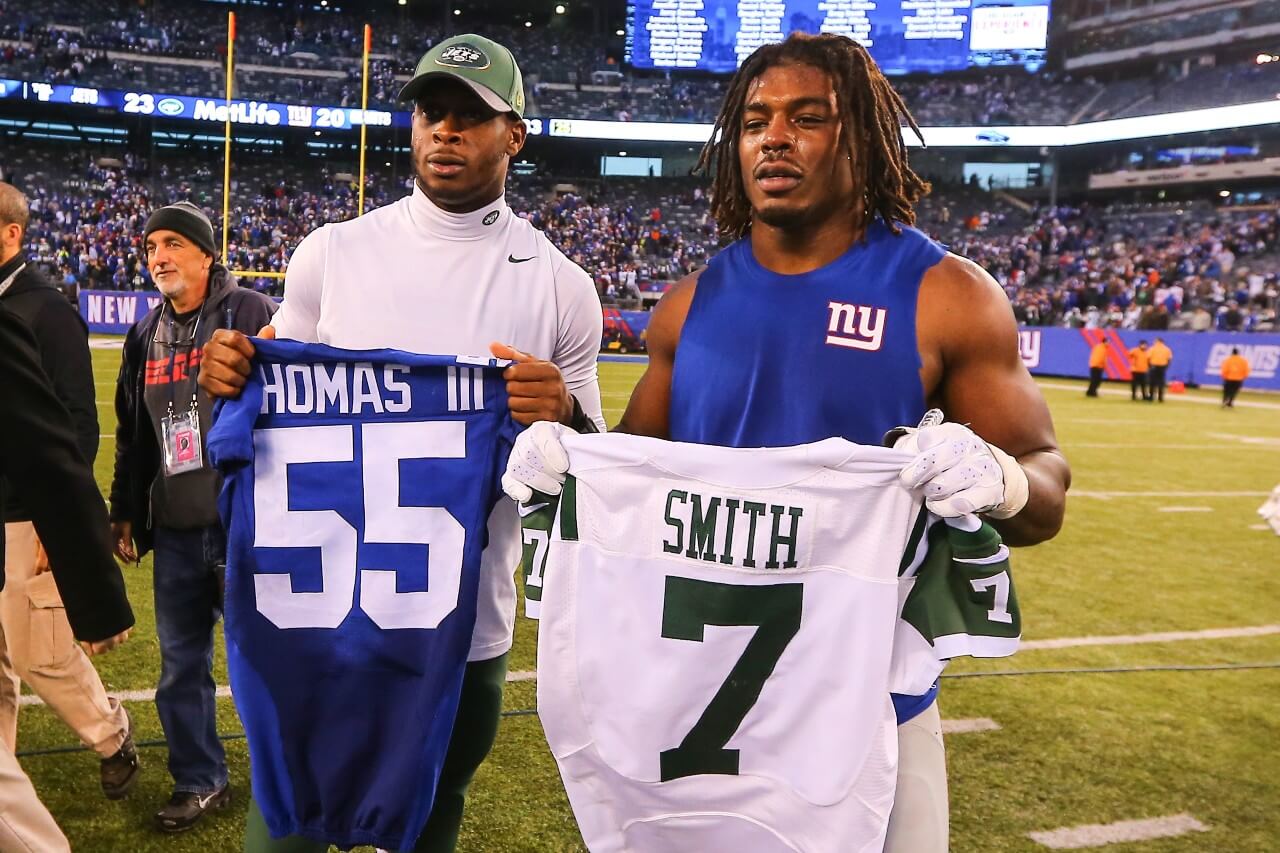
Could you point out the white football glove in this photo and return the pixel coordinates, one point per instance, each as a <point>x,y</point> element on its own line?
<point>958,473</point>
<point>537,462</point>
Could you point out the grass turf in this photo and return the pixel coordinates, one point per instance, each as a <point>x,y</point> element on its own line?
<point>1072,748</point>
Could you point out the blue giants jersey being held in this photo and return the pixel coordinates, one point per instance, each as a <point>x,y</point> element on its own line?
<point>358,488</point>
<point>771,360</point>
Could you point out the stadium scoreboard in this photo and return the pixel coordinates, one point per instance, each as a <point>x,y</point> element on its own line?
<point>902,35</point>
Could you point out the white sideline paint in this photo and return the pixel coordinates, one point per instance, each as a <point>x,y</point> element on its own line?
<point>1184,509</point>
<point>1162,637</point>
<point>964,727</point>
<point>1099,834</point>
<point>1177,398</point>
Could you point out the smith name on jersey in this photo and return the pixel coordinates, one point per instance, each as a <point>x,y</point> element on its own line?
<point>358,488</point>
<point>718,643</point>
<point>697,604</point>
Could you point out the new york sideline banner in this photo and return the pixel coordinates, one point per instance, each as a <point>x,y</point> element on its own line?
<point>1197,356</point>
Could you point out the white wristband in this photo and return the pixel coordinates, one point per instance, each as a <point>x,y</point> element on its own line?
<point>1016,487</point>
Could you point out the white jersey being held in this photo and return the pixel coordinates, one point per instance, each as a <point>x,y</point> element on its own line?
<point>413,277</point>
<point>714,644</point>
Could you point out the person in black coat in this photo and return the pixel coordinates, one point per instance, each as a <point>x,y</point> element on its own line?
<point>38,455</point>
<point>33,621</point>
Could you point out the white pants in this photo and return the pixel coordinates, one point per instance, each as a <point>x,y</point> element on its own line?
<point>918,822</point>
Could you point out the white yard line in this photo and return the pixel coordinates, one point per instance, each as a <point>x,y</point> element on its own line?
<point>122,695</point>
<point>964,727</point>
<point>1143,445</point>
<point>1184,509</point>
<point>1100,834</point>
<point>1107,495</point>
<point>1263,440</point>
<point>1176,398</point>
<point>1161,637</point>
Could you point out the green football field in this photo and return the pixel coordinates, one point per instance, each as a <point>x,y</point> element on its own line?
<point>1161,537</point>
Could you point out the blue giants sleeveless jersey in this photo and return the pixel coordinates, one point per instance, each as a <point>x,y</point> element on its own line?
<point>358,488</point>
<point>770,360</point>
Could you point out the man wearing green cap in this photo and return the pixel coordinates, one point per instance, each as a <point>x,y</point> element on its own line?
<point>449,269</point>
<point>164,494</point>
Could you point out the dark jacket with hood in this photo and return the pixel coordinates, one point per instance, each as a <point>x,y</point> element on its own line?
<point>62,341</point>
<point>227,306</point>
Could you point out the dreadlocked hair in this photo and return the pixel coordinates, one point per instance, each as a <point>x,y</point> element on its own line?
<point>871,115</point>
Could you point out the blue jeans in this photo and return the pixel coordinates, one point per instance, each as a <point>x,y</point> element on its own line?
<point>188,606</point>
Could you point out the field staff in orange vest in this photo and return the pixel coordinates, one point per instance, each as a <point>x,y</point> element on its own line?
<point>1160,357</point>
<point>1235,370</point>
<point>1097,363</point>
<point>1139,363</point>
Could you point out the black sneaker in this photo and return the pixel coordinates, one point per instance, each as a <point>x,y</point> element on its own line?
<point>120,771</point>
<point>184,808</point>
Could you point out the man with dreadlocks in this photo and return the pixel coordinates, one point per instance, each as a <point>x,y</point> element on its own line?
<point>831,316</point>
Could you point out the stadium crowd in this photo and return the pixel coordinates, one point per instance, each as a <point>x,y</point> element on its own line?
<point>282,56</point>
<point>1164,267</point>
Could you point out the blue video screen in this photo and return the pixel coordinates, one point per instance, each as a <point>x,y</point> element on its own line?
<point>903,36</point>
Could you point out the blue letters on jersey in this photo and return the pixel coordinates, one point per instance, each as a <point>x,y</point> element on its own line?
<point>772,360</point>
<point>358,490</point>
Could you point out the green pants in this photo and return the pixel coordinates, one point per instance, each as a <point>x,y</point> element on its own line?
<point>476,726</point>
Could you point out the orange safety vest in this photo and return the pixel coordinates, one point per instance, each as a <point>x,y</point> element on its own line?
<point>1098,355</point>
<point>1161,355</point>
<point>1138,360</point>
<point>1235,368</point>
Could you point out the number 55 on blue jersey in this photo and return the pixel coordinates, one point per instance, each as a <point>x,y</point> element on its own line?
<point>357,490</point>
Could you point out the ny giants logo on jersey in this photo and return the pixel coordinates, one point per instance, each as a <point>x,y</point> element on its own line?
<point>856,326</point>
<point>734,530</point>
<point>1029,347</point>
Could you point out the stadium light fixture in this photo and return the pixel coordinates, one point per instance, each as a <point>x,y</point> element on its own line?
<point>1225,194</point>
<point>528,23</point>
<point>622,154</point>
<point>560,9</point>
<point>457,11</point>
<point>403,2</point>
<point>620,32</point>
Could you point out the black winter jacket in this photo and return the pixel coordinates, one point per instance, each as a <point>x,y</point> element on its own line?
<point>62,341</point>
<point>39,456</point>
<point>228,306</point>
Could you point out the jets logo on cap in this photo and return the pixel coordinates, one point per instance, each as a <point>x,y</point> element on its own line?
<point>463,56</point>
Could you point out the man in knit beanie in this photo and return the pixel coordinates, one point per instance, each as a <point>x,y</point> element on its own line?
<point>164,493</point>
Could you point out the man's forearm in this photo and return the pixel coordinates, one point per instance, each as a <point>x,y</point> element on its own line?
<point>1048,477</point>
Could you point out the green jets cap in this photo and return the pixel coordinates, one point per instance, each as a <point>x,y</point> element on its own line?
<point>485,66</point>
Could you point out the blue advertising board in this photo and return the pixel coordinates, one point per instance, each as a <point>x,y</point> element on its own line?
<point>163,105</point>
<point>1197,356</point>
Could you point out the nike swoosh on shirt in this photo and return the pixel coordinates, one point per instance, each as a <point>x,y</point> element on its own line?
<point>529,509</point>
<point>513,259</point>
